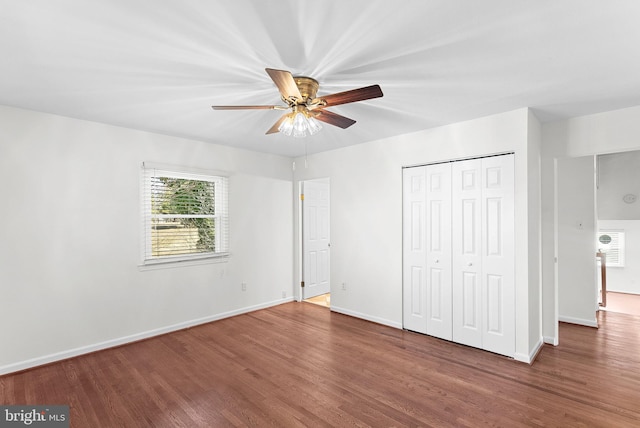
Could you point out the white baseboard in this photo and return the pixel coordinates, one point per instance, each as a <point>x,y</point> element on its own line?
<point>367,317</point>
<point>518,357</point>
<point>58,356</point>
<point>579,321</point>
<point>551,340</point>
<point>529,359</point>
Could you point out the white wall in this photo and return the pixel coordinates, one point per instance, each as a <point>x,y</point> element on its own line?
<point>609,132</point>
<point>625,279</point>
<point>70,238</point>
<point>618,175</point>
<point>577,287</point>
<point>366,213</point>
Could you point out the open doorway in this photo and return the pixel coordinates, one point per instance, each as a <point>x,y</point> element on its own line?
<point>315,233</point>
<point>321,300</point>
<point>618,210</point>
<point>593,200</point>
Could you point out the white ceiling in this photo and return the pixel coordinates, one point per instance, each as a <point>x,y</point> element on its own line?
<point>159,65</point>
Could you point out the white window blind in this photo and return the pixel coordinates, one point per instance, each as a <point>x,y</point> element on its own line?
<point>614,249</point>
<point>184,215</point>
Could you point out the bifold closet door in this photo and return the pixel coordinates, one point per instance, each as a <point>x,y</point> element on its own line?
<point>467,252</point>
<point>427,250</point>
<point>438,251</point>
<point>458,252</point>
<point>483,253</point>
<point>414,258</point>
<point>414,197</point>
<point>498,258</point>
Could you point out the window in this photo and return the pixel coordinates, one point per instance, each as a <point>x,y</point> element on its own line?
<point>611,242</point>
<point>184,215</point>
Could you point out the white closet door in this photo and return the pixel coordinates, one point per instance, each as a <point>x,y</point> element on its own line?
<point>498,262</point>
<point>467,252</point>
<point>458,252</point>
<point>414,249</point>
<point>438,234</point>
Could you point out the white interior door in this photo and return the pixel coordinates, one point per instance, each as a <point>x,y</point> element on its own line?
<point>414,270</point>
<point>498,262</point>
<point>467,256</point>
<point>315,238</point>
<point>438,251</point>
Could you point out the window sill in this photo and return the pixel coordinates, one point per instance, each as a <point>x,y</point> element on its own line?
<point>171,264</point>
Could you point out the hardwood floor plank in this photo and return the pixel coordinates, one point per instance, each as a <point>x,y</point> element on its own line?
<point>299,364</point>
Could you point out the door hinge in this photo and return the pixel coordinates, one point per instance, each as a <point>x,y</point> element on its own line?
<point>302,284</point>
<point>302,196</point>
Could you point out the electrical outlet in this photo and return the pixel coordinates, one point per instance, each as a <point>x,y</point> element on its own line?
<point>244,286</point>
<point>284,294</point>
<point>344,286</point>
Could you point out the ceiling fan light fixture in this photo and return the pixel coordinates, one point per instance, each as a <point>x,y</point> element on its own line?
<point>299,125</point>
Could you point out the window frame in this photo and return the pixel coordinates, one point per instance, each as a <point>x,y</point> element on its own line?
<point>221,218</point>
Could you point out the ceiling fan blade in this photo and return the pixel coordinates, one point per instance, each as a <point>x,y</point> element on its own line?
<point>333,118</point>
<point>276,125</point>
<point>285,83</point>
<point>351,96</point>
<point>246,107</point>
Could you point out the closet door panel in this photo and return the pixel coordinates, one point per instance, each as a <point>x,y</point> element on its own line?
<point>467,252</point>
<point>414,269</point>
<point>438,254</point>
<point>469,301</point>
<point>498,264</point>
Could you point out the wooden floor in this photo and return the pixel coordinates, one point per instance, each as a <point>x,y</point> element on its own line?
<point>322,300</point>
<point>299,364</point>
<point>623,302</point>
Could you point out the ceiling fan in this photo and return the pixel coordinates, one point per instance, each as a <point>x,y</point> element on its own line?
<point>299,93</point>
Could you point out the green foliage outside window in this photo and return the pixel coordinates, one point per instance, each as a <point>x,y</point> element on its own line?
<point>183,209</point>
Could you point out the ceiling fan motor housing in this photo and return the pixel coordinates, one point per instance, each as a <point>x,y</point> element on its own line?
<point>308,88</point>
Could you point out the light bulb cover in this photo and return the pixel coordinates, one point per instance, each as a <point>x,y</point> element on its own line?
<point>313,125</point>
<point>286,127</point>
<point>299,124</point>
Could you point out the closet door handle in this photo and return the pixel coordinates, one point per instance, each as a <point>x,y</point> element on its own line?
<point>470,264</point>
<point>437,261</point>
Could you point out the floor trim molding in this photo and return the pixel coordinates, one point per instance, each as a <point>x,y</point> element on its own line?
<point>70,353</point>
<point>378,320</point>
<point>579,321</point>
